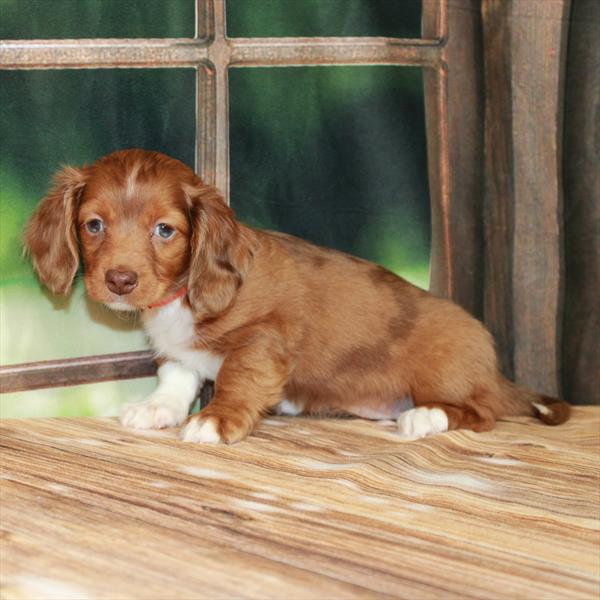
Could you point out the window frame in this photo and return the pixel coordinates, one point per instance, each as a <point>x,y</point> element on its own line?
<point>211,53</point>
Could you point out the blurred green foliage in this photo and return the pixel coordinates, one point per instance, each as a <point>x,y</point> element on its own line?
<point>335,155</point>
<point>55,19</point>
<point>57,117</point>
<point>276,18</point>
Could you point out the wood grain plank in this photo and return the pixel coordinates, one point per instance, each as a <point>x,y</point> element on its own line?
<point>303,508</point>
<point>498,207</point>
<point>581,349</point>
<point>525,56</point>
<point>539,41</point>
<point>455,151</point>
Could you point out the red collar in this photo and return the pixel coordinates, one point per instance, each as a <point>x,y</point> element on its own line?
<point>169,299</point>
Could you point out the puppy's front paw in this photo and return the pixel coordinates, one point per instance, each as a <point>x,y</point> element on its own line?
<point>419,422</point>
<point>213,429</point>
<point>156,412</point>
<point>202,430</point>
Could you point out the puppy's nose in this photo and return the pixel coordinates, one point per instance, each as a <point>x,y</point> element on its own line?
<point>121,282</point>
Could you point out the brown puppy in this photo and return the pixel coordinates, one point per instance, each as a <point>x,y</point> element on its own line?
<point>278,323</point>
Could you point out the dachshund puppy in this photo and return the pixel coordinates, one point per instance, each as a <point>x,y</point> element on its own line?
<point>278,323</point>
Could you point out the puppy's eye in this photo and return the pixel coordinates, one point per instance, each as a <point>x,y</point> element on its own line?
<point>164,231</point>
<point>95,226</point>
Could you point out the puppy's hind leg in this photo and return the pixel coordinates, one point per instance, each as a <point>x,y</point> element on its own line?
<point>435,417</point>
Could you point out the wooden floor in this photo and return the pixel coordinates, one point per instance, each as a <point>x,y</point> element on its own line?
<point>302,509</point>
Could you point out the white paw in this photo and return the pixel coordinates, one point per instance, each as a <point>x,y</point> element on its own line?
<point>201,430</point>
<point>156,412</point>
<point>419,422</point>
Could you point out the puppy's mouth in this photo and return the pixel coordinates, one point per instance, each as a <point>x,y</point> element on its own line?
<point>121,303</point>
<point>122,306</point>
<point>125,304</point>
<point>134,302</point>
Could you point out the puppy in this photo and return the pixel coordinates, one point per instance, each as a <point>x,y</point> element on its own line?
<point>278,323</point>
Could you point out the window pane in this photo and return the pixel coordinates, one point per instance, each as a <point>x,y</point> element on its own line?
<point>336,155</point>
<point>53,118</point>
<point>275,18</point>
<point>91,400</point>
<point>47,19</point>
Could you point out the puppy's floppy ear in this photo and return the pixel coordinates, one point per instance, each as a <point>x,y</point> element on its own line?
<point>51,234</point>
<point>221,250</point>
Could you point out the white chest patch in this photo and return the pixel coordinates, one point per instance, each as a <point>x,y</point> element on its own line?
<point>172,334</point>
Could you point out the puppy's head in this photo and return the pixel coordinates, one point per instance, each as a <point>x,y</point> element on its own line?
<point>145,226</point>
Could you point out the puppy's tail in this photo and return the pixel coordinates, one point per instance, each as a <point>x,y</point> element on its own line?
<point>517,400</point>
